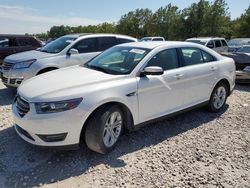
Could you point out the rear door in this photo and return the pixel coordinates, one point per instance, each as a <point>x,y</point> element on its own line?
<point>200,69</point>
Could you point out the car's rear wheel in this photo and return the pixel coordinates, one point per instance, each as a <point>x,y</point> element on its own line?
<point>218,97</point>
<point>104,129</point>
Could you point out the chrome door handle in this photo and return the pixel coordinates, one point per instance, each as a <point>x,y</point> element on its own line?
<point>213,68</point>
<point>178,76</point>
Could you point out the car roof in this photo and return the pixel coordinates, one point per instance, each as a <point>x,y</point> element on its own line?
<point>206,38</point>
<point>14,35</point>
<point>77,35</point>
<point>155,44</point>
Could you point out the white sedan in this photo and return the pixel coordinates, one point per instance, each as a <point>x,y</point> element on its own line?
<point>124,87</point>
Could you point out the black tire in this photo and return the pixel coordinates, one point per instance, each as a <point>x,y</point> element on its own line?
<point>94,133</point>
<point>211,105</point>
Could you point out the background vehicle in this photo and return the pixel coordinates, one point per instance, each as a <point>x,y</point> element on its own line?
<point>241,57</point>
<point>11,44</point>
<point>145,39</point>
<point>242,61</point>
<point>122,88</point>
<point>217,44</point>
<point>235,44</point>
<point>65,51</point>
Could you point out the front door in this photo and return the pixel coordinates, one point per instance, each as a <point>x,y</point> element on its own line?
<point>163,94</point>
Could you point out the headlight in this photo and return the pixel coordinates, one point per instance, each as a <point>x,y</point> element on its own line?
<point>60,106</point>
<point>24,64</point>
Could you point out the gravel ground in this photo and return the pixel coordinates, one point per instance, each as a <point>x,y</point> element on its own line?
<point>195,149</point>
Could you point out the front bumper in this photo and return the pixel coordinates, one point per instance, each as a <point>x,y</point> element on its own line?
<point>31,126</point>
<point>14,77</point>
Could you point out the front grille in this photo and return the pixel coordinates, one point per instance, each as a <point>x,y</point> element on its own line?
<point>7,66</point>
<point>22,106</point>
<point>12,81</point>
<point>5,80</point>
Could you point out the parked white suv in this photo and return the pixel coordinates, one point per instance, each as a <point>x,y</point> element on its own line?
<point>217,44</point>
<point>122,88</point>
<point>65,51</point>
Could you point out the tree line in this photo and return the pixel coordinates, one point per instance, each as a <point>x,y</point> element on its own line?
<point>204,18</point>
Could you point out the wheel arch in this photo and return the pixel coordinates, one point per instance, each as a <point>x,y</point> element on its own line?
<point>46,69</point>
<point>226,82</point>
<point>129,119</point>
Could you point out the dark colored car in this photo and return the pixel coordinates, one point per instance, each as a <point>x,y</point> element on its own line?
<point>242,62</point>
<point>237,43</point>
<point>11,44</point>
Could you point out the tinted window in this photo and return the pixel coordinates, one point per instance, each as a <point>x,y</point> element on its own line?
<point>24,41</point>
<point>207,57</point>
<point>210,44</point>
<point>106,42</point>
<point>121,40</point>
<point>217,43</point>
<point>4,42</point>
<point>166,59</point>
<point>223,43</point>
<point>157,39</point>
<point>87,45</point>
<point>192,56</point>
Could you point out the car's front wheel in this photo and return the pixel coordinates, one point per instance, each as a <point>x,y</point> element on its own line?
<point>218,97</point>
<point>104,129</point>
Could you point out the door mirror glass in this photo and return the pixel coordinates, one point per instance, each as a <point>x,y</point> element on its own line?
<point>152,70</point>
<point>73,51</point>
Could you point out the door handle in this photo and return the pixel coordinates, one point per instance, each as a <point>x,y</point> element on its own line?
<point>178,76</point>
<point>213,68</point>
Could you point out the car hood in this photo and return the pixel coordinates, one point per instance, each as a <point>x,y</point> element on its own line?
<point>23,56</point>
<point>238,57</point>
<point>64,84</point>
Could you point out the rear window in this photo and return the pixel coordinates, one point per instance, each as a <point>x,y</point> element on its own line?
<point>122,40</point>
<point>223,43</point>
<point>106,42</point>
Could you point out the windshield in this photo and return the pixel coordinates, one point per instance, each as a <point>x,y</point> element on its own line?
<point>245,49</point>
<point>202,42</point>
<point>118,60</point>
<point>146,39</point>
<point>237,42</point>
<point>58,45</point>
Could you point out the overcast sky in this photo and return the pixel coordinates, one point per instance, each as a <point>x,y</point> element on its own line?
<point>36,16</point>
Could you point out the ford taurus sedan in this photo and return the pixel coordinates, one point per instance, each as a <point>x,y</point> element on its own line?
<point>124,87</point>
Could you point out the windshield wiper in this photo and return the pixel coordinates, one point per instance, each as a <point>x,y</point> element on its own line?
<point>46,51</point>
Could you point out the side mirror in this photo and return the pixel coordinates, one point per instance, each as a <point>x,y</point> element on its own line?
<point>152,70</point>
<point>72,51</point>
<point>210,45</point>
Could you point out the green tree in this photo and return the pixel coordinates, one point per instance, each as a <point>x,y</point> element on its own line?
<point>241,25</point>
<point>135,23</point>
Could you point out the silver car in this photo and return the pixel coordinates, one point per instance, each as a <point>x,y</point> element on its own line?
<point>65,51</point>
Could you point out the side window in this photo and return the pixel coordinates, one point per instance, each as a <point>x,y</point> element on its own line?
<point>207,57</point>
<point>210,44</point>
<point>166,59</point>
<point>106,42</point>
<point>86,45</point>
<point>157,39</point>
<point>24,41</point>
<point>217,43</point>
<point>121,40</point>
<point>4,42</point>
<point>192,56</point>
<point>223,43</point>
